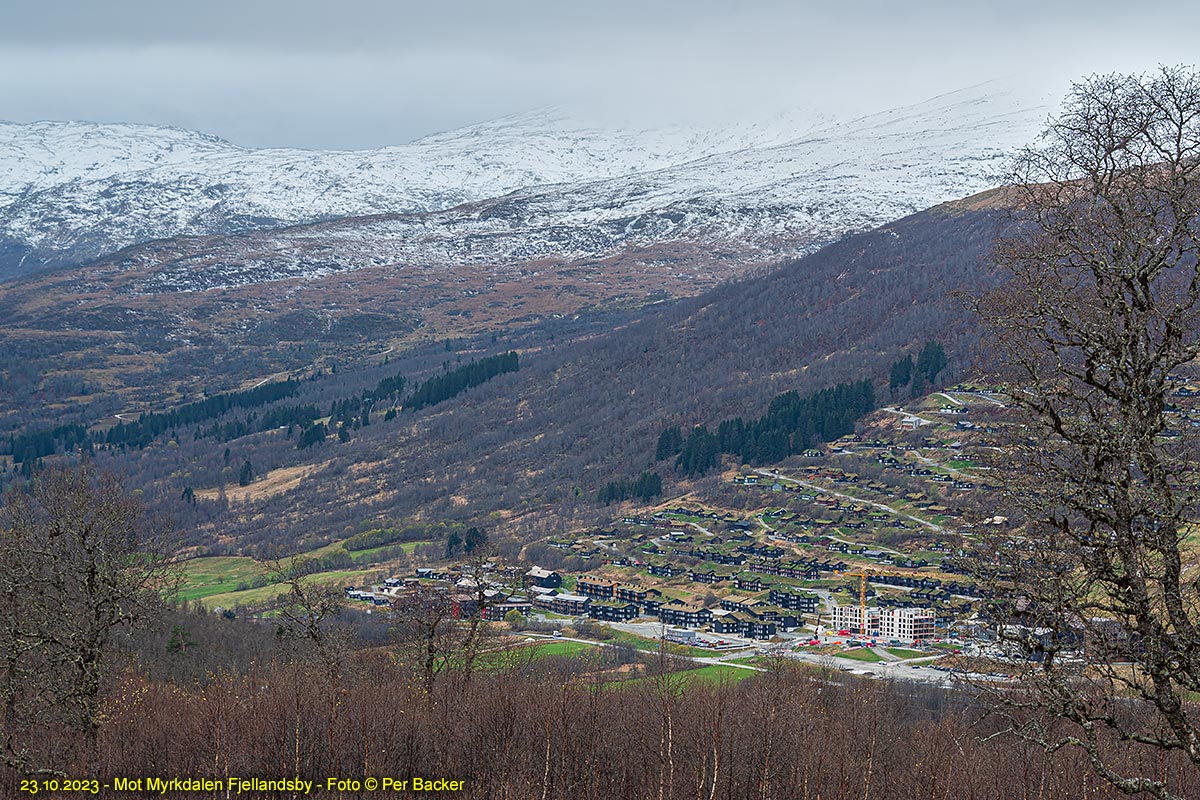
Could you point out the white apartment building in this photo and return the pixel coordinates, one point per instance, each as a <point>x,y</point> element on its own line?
<point>903,624</point>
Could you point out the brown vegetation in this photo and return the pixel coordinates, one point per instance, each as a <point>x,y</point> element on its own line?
<point>275,482</point>
<point>539,735</point>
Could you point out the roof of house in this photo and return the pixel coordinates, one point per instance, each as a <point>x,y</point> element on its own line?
<point>614,603</point>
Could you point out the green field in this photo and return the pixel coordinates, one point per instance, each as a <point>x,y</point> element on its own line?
<point>651,645</point>
<point>561,648</point>
<point>218,577</point>
<point>264,594</point>
<point>203,577</point>
<point>716,673</point>
<point>518,653</point>
<point>708,673</point>
<point>902,653</point>
<point>864,654</point>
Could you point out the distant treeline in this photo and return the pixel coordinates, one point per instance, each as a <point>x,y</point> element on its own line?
<point>153,424</point>
<point>791,425</point>
<point>407,533</point>
<point>457,381</point>
<point>387,389</point>
<point>280,417</point>
<point>140,432</point>
<point>32,446</point>
<point>356,409</point>
<point>646,487</point>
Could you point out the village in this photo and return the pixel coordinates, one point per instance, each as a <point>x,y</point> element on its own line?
<point>860,545</point>
<point>854,546</point>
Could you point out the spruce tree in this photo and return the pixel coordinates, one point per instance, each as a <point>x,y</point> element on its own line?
<point>246,476</point>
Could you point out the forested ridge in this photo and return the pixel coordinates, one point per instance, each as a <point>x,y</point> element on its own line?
<point>153,425</point>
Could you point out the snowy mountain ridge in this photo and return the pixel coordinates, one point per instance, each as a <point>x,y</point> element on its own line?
<point>531,186</point>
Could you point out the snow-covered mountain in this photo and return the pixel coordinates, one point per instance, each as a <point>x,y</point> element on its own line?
<point>527,187</point>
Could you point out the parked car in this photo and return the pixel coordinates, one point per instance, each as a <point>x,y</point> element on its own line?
<point>558,634</point>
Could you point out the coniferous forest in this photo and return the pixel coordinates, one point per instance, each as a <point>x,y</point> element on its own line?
<point>442,387</point>
<point>791,425</point>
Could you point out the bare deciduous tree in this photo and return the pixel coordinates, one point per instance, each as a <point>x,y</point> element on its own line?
<point>79,560</point>
<point>425,631</point>
<point>313,613</point>
<point>442,627</point>
<point>1097,321</point>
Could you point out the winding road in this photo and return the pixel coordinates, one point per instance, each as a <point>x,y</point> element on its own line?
<point>880,506</point>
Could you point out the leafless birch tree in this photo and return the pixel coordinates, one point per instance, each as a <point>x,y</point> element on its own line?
<point>1095,327</point>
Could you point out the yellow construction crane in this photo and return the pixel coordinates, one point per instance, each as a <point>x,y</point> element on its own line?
<point>863,574</point>
<point>862,597</point>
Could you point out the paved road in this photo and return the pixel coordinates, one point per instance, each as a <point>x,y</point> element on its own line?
<point>983,396</point>
<point>895,668</point>
<point>880,506</point>
<point>717,660</point>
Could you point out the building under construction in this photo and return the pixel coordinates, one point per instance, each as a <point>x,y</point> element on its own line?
<point>901,624</point>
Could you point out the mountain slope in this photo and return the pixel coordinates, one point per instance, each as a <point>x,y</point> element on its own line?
<point>525,452</point>
<point>528,187</point>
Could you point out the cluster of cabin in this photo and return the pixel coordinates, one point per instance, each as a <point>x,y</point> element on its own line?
<point>954,410</point>
<point>849,514</point>
<point>615,601</point>
<point>756,618</point>
<point>949,597</point>
<point>753,562</point>
<point>489,596</point>
<point>808,569</point>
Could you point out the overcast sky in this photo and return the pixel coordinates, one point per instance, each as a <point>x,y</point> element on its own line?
<point>353,74</point>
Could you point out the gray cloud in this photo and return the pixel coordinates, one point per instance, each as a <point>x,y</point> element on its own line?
<point>365,73</point>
